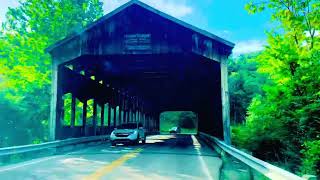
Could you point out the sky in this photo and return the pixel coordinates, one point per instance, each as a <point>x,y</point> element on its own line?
<point>225,18</point>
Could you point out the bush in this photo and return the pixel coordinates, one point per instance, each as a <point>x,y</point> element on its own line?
<point>311,158</point>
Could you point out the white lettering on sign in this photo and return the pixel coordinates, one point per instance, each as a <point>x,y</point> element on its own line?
<point>137,42</point>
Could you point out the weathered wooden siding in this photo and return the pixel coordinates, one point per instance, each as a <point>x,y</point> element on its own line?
<point>155,35</point>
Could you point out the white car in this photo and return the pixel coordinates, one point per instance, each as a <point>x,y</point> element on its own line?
<point>175,130</point>
<point>128,133</point>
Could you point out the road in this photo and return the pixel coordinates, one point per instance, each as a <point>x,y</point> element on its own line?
<point>162,157</point>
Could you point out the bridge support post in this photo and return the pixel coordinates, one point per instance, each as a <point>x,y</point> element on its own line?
<point>54,102</point>
<point>94,117</point>
<point>225,100</point>
<point>124,108</point>
<point>84,117</point>
<point>73,110</point>
<point>128,116</point>
<point>149,123</point>
<point>102,127</point>
<point>109,114</point>
<point>144,120</point>
<point>120,107</point>
<point>114,116</point>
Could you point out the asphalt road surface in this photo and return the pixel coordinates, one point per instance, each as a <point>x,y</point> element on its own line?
<point>162,157</point>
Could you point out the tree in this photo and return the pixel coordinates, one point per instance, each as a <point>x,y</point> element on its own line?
<point>287,115</point>
<point>187,119</point>
<point>244,84</point>
<point>25,67</point>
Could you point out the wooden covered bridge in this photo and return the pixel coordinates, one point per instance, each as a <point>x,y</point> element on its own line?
<point>142,62</point>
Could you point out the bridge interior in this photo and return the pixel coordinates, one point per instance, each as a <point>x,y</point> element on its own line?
<point>143,86</point>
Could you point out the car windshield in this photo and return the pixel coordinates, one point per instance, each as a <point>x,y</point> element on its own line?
<point>128,126</point>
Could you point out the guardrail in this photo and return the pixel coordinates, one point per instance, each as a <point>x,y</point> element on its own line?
<point>265,168</point>
<point>43,147</point>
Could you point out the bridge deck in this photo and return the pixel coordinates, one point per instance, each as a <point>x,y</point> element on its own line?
<point>162,157</point>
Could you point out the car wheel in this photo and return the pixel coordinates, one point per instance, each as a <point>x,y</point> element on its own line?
<point>144,141</point>
<point>137,141</point>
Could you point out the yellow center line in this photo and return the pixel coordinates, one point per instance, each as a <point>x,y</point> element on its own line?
<point>114,164</point>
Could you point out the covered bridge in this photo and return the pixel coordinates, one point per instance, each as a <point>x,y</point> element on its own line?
<point>142,62</point>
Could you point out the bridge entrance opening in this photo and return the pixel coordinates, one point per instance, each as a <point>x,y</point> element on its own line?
<point>186,120</point>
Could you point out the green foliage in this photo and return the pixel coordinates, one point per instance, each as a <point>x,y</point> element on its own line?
<point>187,120</point>
<point>285,117</point>
<point>90,112</point>
<point>79,106</point>
<point>244,84</point>
<point>311,160</point>
<point>25,68</point>
<point>67,100</point>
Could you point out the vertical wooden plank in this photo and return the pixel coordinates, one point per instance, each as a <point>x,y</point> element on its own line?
<point>84,117</point>
<point>102,120</point>
<point>94,117</point>
<point>54,102</point>
<point>73,110</point>
<point>225,100</point>
<point>120,107</point>
<point>102,115</point>
<point>109,114</point>
<point>144,120</point>
<point>147,122</point>
<point>115,116</point>
<point>60,116</point>
<point>131,116</point>
<point>124,109</point>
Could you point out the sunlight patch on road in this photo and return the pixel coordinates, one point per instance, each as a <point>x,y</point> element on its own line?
<point>204,166</point>
<point>117,151</point>
<point>79,162</point>
<point>114,164</point>
<point>159,138</point>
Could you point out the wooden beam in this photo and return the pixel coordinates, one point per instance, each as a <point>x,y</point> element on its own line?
<point>94,117</point>
<point>109,114</point>
<point>54,103</point>
<point>84,117</point>
<point>102,115</point>
<point>225,100</point>
<point>124,108</point>
<point>120,97</point>
<point>73,110</point>
<point>115,116</point>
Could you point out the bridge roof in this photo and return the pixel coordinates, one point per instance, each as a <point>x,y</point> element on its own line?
<point>151,9</point>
